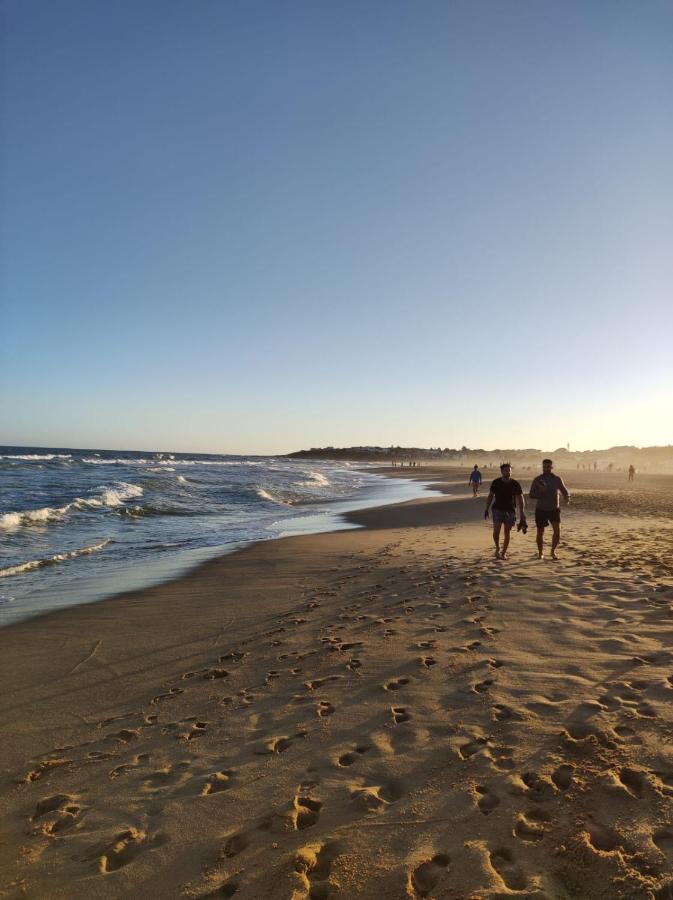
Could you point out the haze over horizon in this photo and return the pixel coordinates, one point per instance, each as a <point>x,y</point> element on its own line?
<point>253,229</point>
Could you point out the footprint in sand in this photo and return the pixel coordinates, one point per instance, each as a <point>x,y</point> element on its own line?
<point>602,838</point>
<point>217,782</point>
<point>125,847</point>
<point>465,751</point>
<point>162,777</point>
<point>487,801</point>
<point>325,709</point>
<point>396,685</point>
<point>232,656</point>
<point>47,765</point>
<point>563,776</point>
<point>482,686</point>
<point>400,715</point>
<point>634,781</point>
<point>208,674</point>
<point>663,838</point>
<point>425,878</point>
<point>236,844</point>
<point>375,798</point>
<point>228,889</point>
<point>274,745</point>
<point>319,682</point>
<point>305,812</point>
<point>125,736</point>
<point>347,759</point>
<point>502,713</point>
<point>428,661</point>
<point>62,810</point>
<point>125,768</point>
<point>169,695</point>
<point>314,864</point>
<point>196,729</point>
<point>504,865</point>
<point>111,719</point>
<point>539,786</point>
<point>530,827</point>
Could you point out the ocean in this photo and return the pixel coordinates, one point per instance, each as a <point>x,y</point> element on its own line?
<point>80,525</point>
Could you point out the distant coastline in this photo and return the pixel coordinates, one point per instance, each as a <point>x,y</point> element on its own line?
<point>646,459</point>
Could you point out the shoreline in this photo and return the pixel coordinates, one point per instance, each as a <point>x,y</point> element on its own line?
<point>382,711</point>
<point>169,566</point>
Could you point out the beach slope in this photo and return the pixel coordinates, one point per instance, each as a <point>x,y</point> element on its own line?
<point>382,712</point>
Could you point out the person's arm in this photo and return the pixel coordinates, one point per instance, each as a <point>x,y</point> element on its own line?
<point>489,500</point>
<point>522,506</point>
<point>564,490</point>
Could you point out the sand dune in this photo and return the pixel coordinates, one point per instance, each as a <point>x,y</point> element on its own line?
<point>386,712</point>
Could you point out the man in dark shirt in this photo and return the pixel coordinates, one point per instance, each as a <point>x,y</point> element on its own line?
<point>546,489</point>
<point>506,492</point>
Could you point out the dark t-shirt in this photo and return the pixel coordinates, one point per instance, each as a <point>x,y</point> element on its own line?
<point>505,492</point>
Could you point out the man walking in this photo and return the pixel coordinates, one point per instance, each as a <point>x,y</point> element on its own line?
<point>475,481</point>
<point>505,491</point>
<point>546,489</point>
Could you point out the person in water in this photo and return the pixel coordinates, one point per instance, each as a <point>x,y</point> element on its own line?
<point>504,493</point>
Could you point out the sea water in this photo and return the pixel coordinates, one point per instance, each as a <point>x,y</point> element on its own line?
<point>79,525</point>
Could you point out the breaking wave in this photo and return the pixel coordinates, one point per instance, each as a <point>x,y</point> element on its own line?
<point>316,479</point>
<point>113,496</point>
<point>263,494</point>
<point>33,456</point>
<point>32,564</point>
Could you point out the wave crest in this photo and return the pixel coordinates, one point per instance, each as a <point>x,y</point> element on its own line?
<point>32,564</point>
<point>109,497</point>
<point>273,498</point>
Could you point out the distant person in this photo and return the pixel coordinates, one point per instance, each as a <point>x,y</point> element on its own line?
<point>475,481</point>
<point>595,466</point>
<point>546,489</point>
<point>505,491</point>
<point>632,472</point>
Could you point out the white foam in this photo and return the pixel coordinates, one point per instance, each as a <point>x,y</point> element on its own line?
<point>317,479</point>
<point>109,497</point>
<point>265,495</point>
<point>51,560</point>
<point>41,516</point>
<point>112,496</point>
<point>32,456</point>
<point>96,461</point>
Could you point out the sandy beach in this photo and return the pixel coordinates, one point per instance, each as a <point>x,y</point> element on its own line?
<point>381,712</point>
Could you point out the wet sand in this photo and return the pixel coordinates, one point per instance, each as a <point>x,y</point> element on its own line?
<point>384,712</point>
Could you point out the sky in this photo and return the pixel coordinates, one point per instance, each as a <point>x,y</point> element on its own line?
<point>259,226</point>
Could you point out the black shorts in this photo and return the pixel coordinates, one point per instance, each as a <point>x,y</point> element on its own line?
<point>544,516</point>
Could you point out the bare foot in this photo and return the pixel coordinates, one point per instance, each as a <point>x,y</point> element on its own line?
<point>504,556</point>
<point>540,555</point>
<point>553,555</point>
<point>497,553</point>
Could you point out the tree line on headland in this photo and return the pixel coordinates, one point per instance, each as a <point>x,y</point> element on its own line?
<point>653,459</point>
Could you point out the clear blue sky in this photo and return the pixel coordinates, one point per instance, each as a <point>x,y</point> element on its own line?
<point>242,226</point>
